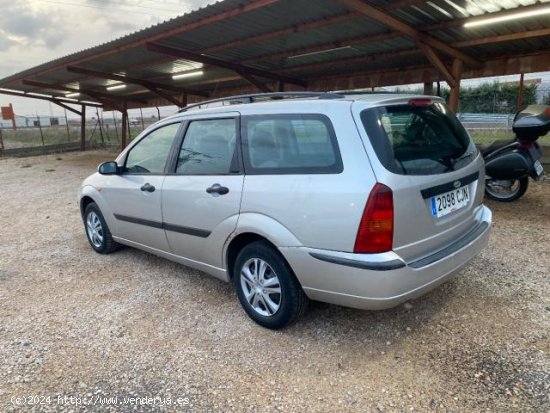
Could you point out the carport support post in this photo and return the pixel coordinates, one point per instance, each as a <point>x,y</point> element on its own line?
<point>520,94</point>
<point>455,91</point>
<point>83,128</point>
<point>124,126</point>
<point>428,88</point>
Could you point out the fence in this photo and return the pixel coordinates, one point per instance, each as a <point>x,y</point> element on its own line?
<point>63,138</point>
<point>484,128</point>
<point>484,121</point>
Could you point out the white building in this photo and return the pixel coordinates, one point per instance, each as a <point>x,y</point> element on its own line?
<point>32,122</point>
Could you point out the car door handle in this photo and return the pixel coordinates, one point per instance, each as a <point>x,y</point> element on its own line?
<point>148,187</point>
<point>217,189</point>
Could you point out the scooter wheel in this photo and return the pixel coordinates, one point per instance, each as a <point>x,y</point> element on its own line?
<point>506,190</point>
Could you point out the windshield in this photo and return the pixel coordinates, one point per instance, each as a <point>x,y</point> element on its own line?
<point>418,140</point>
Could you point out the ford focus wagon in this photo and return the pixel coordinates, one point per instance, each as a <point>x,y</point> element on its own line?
<point>365,201</point>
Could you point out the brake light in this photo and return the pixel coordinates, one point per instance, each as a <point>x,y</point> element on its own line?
<point>420,102</point>
<point>375,233</point>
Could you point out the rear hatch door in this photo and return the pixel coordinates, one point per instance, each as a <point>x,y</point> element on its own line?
<point>420,150</point>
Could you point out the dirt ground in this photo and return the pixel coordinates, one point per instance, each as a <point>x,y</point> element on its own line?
<point>80,331</point>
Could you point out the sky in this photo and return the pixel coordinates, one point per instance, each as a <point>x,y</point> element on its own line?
<point>33,32</point>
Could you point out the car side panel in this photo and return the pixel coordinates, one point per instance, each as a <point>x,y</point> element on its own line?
<point>197,223</point>
<point>320,210</point>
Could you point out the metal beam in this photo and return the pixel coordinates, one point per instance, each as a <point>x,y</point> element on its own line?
<point>83,128</point>
<point>428,88</point>
<point>131,80</point>
<point>519,101</point>
<point>92,93</point>
<point>401,4</point>
<point>252,80</point>
<point>386,55</point>
<point>505,65</point>
<point>374,13</point>
<point>418,73</point>
<point>391,35</point>
<point>124,127</point>
<point>436,61</point>
<point>197,57</point>
<point>454,97</point>
<point>460,22</point>
<point>504,38</point>
<point>164,95</point>
<point>298,28</point>
<point>353,60</point>
<point>361,40</point>
<point>76,112</point>
<point>50,99</point>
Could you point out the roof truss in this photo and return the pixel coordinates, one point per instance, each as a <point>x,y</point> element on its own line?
<point>236,67</point>
<point>418,35</point>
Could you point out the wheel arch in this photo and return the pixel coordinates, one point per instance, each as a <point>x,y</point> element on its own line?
<point>241,241</point>
<point>84,202</point>
<point>237,244</point>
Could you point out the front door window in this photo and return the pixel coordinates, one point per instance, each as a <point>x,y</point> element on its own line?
<point>149,155</point>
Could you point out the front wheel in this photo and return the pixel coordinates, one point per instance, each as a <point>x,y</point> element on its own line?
<point>98,233</point>
<point>506,190</point>
<point>266,286</point>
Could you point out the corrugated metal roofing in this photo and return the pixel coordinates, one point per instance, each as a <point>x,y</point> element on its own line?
<point>304,39</point>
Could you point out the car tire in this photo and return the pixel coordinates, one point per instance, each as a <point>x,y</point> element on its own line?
<point>98,233</point>
<point>267,287</point>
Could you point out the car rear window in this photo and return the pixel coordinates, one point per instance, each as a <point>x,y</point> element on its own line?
<point>290,144</point>
<point>423,139</point>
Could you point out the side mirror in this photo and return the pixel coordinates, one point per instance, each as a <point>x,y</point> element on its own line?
<point>108,168</point>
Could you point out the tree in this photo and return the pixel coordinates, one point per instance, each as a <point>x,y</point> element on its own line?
<point>493,97</point>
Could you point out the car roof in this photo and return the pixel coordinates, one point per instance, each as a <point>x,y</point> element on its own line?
<point>294,100</point>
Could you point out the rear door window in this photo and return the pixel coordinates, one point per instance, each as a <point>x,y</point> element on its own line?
<point>290,144</point>
<point>418,140</point>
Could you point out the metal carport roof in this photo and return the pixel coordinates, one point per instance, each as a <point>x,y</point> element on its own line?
<point>242,46</point>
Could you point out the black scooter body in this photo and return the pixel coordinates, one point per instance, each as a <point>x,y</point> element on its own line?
<point>515,159</point>
<point>509,165</point>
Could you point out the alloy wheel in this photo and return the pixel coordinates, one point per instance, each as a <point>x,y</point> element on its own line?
<point>94,229</point>
<point>261,287</point>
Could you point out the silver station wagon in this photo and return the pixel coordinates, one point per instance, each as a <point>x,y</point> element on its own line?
<point>363,200</point>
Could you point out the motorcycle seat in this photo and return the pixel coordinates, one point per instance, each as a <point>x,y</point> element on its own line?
<point>493,146</point>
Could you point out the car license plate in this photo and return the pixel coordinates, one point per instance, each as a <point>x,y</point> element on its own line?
<point>538,168</point>
<point>444,204</point>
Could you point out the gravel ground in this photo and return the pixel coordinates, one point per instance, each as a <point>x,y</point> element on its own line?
<point>92,327</point>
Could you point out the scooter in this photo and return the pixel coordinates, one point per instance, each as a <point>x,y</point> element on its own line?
<point>510,163</point>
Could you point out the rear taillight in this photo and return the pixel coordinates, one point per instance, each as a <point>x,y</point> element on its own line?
<point>375,233</point>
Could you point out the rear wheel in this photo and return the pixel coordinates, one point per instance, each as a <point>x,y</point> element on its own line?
<point>98,233</point>
<point>266,286</point>
<point>506,190</point>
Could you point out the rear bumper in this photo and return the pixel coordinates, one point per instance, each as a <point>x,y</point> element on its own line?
<point>379,281</point>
